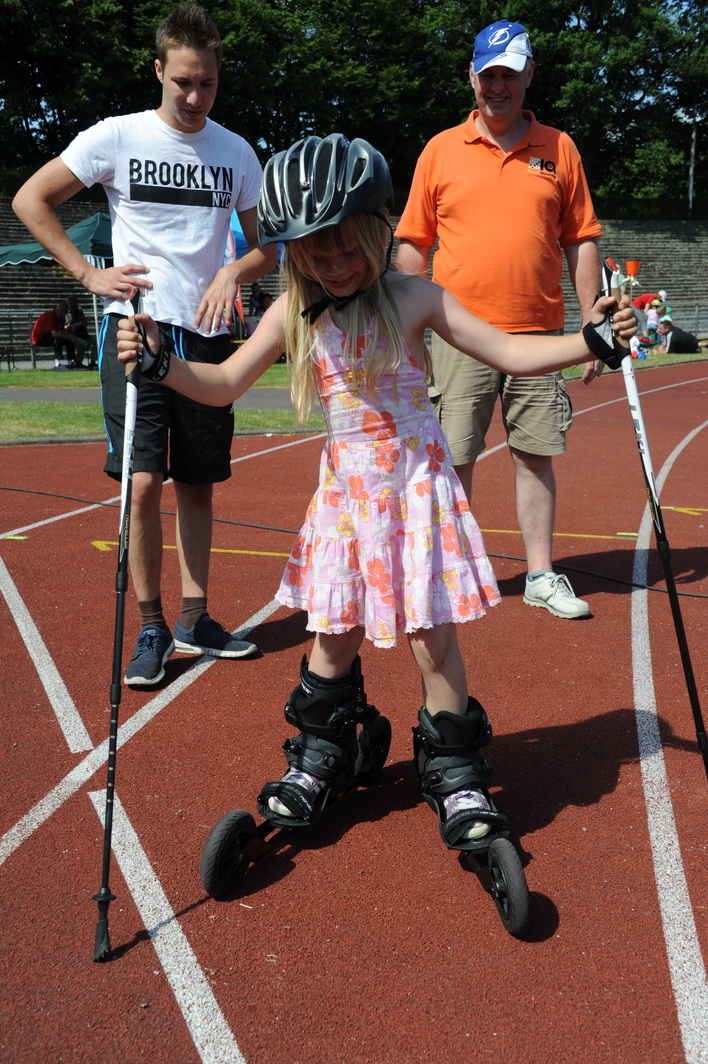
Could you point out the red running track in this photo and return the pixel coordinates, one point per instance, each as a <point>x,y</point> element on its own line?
<point>364,941</point>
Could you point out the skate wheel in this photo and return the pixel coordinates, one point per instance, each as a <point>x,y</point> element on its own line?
<point>373,750</point>
<point>223,862</point>
<point>508,885</point>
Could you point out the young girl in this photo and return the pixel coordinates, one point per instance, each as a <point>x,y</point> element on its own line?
<point>389,544</point>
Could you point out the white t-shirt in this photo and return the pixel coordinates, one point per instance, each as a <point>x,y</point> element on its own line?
<point>170,196</point>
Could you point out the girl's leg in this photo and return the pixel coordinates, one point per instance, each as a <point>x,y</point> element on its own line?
<point>332,655</point>
<point>451,728</point>
<point>326,706</point>
<point>437,655</point>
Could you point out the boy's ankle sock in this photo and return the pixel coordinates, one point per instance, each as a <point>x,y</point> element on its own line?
<point>151,615</point>
<point>190,611</point>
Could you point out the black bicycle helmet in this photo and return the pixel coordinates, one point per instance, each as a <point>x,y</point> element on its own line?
<point>319,182</point>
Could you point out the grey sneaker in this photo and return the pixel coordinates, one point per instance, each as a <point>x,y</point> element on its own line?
<point>553,592</point>
<point>147,665</point>
<point>209,637</point>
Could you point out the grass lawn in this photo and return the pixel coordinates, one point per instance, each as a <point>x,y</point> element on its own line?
<point>275,377</point>
<point>42,420</point>
<point>57,420</point>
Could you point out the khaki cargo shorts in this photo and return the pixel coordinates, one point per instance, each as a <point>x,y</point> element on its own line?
<point>536,411</point>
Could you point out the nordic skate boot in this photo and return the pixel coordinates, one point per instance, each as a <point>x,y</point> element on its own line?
<point>452,774</point>
<point>342,740</point>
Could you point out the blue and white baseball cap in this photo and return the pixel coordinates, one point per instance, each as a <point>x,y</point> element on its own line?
<point>501,44</point>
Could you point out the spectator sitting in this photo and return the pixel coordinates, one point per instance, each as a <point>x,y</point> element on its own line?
<point>77,330</point>
<point>256,306</point>
<point>49,331</point>
<point>677,341</point>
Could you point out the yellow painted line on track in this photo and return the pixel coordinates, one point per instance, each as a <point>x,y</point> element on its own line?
<point>692,511</point>
<point>560,535</point>
<point>107,545</point>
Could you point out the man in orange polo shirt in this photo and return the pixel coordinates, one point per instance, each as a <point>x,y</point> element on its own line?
<point>503,195</point>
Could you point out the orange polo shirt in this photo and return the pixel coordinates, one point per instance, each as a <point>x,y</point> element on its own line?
<point>501,220</point>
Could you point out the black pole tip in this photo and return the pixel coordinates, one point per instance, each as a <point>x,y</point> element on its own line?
<point>102,944</point>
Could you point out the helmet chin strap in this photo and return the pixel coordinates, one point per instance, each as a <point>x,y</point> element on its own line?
<point>314,311</point>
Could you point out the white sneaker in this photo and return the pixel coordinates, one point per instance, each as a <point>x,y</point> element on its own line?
<point>309,783</point>
<point>471,800</point>
<point>553,592</point>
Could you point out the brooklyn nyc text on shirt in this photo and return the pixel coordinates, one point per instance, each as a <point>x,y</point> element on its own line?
<point>189,184</point>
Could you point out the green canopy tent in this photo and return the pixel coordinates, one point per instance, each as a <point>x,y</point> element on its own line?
<point>92,237</point>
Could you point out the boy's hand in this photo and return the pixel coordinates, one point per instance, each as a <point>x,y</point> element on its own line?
<point>605,331</point>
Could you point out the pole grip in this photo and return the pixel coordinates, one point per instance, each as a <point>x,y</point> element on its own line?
<point>620,339</point>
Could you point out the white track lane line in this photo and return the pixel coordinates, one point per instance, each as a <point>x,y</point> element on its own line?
<point>74,780</point>
<point>72,727</point>
<point>116,498</point>
<point>685,961</point>
<point>686,966</point>
<point>212,1036</point>
<point>59,517</point>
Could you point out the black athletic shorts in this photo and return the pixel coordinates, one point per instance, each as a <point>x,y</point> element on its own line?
<point>175,436</point>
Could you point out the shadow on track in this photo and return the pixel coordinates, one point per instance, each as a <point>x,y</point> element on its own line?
<point>611,571</point>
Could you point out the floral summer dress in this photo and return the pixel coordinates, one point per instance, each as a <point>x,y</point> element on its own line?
<point>389,541</point>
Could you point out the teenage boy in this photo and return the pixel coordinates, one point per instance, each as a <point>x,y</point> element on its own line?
<point>172,178</point>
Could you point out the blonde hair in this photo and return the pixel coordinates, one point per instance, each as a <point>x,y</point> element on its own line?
<point>375,303</point>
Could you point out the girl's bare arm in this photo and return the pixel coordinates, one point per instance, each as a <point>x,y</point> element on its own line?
<point>209,384</point>
<point>423,304</point>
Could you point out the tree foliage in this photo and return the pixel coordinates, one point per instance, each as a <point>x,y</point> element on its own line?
<point>629,82</point>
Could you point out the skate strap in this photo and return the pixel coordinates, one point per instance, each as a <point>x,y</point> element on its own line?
<point>295,798</point>
<point>445,780</point>
<point>434,749</point>
<point>453,829</point>
<point>324,731</point>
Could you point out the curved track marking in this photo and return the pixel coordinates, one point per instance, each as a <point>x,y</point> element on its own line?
<point>679,928</point>
<point>116,498</point>
<point>686,966</point>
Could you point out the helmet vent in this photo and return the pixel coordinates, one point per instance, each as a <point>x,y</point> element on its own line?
<point>357,171</point>
<point>270,188</point>
<point>294,184</point>
<point>322,168</point>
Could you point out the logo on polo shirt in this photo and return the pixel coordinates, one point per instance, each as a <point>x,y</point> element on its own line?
<point>547,166</point>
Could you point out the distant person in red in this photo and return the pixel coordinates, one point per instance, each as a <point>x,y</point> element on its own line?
<point>49,331</point>
<point>641,304</point>
<point>645,300</point>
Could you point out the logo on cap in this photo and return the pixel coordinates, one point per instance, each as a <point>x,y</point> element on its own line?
<point>499,37</point>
